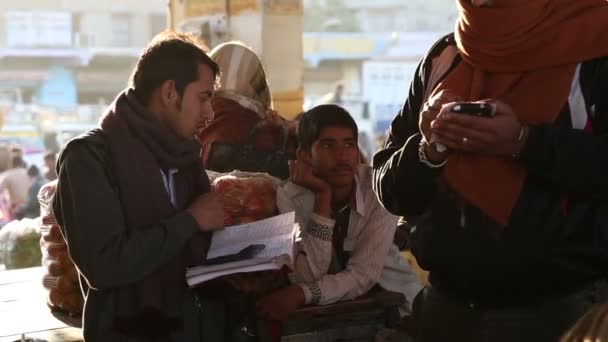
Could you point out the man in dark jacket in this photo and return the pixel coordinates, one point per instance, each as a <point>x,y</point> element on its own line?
<point>509,210</point>
<point>133,200</point>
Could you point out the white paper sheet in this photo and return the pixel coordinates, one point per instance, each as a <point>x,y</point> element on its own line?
<point>233,239</point>
<point>278,234</point>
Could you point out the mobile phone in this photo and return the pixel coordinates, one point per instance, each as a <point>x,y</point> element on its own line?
<point>478,109</point>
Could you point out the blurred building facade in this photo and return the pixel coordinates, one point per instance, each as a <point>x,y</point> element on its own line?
<point>372,48</point>
<point>385,15</point>
<point>70,53</point>
<point>61,53</point>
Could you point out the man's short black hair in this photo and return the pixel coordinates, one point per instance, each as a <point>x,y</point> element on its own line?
<point>170,56</point>
<point>316,119</point>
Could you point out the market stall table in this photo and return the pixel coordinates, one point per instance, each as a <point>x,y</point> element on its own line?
<point>23,310</point>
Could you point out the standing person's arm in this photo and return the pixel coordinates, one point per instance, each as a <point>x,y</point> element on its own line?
<point>105,251</point>
<point>403,182</point>
<point>573,160</point>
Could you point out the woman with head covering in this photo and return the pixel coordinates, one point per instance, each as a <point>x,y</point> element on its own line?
<point>244,116</point>
<point>241,103</point>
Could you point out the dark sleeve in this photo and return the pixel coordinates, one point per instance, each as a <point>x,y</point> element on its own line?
<point>403,183</point>
<point>89,212</point>
<point>573,160</point>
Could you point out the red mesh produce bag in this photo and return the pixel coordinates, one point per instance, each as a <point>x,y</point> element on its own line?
<point>61,277</point>
<point>249,196</point>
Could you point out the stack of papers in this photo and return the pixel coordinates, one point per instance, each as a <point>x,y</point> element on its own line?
<point>277,235</point>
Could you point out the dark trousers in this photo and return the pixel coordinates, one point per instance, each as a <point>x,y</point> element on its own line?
<point>441,317</point>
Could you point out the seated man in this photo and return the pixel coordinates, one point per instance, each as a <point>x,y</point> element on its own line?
<point>347,236</point>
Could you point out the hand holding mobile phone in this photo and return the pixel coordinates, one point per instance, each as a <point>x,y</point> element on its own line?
<point>485,110</point>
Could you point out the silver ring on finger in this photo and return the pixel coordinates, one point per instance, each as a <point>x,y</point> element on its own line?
<point>430,108</point>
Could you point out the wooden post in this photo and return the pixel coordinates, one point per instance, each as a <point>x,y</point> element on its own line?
<point>273,28</point>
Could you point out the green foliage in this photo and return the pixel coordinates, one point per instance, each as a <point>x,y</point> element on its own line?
<point>25,252</point>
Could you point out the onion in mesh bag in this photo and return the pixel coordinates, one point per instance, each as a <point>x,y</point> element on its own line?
<point>249,196</point>
<point>62,283</point>
<point>45,198</point>
<point>51,233</point>
<point>69,302</point>
<point>62,277</point>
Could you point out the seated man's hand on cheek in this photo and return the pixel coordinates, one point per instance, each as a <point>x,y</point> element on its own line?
<point>498,135</point>
<point>282,303</point>
<point>301,173</point>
